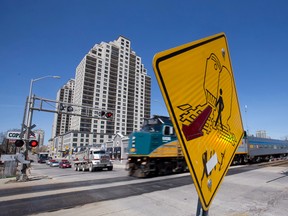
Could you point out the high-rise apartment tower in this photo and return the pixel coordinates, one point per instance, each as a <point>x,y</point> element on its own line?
<point>111,77</point>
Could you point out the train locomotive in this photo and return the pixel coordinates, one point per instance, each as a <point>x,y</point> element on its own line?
<point>155,150</point>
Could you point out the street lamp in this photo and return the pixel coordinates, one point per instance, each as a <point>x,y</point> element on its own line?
<point>30,103</point>
<point>28,119</point>
<point>34,80</point>
<point>28,112</point>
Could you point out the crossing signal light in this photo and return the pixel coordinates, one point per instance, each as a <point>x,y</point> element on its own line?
<point>63,107</point>
<point>19,143</point>
<point>33,143</point>
<point>107,114</point>
<point>69,109</point>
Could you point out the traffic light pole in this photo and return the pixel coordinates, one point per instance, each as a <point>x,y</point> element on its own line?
<point>26,129</point>
<point>75,109</point>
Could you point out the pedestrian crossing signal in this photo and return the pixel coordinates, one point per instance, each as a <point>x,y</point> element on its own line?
<point>33,143</point>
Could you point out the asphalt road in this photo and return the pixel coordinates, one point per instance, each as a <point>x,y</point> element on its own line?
<point>247,190</point>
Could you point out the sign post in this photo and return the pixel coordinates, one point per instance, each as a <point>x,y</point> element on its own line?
<point>197,84</point>
<point>200,211</point>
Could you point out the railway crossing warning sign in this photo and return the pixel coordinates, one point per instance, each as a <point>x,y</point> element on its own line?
<point>197,83</point>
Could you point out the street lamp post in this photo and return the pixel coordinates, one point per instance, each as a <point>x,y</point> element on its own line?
<point>28,119</point>
<point>30,103</point>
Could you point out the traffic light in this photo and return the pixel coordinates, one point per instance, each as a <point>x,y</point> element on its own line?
<point>19,143</point>
<point>107,114</point>
<point>69,109</point>
<point>33,143</point>
<point>63,107</point>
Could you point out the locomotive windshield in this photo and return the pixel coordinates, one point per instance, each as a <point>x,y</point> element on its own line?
<point>151,125</point>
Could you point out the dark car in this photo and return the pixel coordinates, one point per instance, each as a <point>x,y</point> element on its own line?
<point>41,160</point>
<point>65,164</point>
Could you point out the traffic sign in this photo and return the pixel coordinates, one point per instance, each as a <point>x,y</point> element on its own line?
<point>16,135</point>
<point>197,83</point>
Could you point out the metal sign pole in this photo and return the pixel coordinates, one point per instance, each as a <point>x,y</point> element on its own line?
<point>200,210</point>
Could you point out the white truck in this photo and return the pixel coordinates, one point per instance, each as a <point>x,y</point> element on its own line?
<point>92,159</point>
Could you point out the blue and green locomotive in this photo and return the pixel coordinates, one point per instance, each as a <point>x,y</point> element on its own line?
<point>155,149</point>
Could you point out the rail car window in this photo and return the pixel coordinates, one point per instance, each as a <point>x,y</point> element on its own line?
<point>168,130</point>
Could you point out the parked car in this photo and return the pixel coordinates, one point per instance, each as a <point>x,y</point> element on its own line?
<point>54,163</point>
<point>65,164</point>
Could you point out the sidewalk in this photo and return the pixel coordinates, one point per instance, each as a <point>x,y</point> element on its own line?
<point>119,163</point>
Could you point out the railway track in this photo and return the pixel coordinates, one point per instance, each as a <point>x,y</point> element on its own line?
<point>282,162</point>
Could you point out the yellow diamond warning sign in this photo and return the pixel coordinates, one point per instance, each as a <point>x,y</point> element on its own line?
<point>197,83</point>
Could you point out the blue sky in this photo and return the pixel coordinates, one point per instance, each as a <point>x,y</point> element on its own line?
<point>40,38</point>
